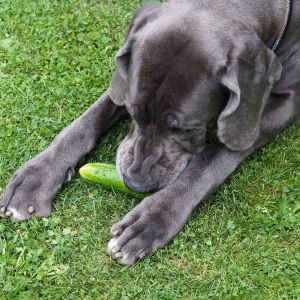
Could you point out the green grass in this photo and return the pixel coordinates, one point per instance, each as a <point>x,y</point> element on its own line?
<point>56,58</point>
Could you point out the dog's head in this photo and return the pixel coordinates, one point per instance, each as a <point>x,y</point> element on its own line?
<point>177,71</point>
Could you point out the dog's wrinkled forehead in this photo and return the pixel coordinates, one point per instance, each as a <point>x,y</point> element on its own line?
<point>164,72</point>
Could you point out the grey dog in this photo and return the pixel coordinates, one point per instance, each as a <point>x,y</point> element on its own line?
<point>185,65</point>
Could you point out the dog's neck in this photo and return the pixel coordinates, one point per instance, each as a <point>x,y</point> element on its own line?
<point>266,17</point>
<point>269,19</point>
<point>275,31</point>
<point>285,27</point>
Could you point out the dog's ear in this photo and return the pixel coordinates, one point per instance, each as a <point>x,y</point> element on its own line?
<point>119,80</point>
<point>250,73</point>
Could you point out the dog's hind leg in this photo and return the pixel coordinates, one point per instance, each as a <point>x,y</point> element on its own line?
<point>32,188</point>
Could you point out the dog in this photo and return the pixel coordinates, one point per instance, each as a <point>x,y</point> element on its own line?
<point>188,69</point>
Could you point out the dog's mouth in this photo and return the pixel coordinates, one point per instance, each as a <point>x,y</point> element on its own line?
<point>166,178</point>
<point>139,188</point>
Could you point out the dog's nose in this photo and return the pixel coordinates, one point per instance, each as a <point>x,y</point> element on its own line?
<point>136,186</point>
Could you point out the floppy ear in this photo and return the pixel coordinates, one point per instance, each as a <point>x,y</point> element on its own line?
<point>249,76</point>
<point>119,80</point>
<point>118,83</point>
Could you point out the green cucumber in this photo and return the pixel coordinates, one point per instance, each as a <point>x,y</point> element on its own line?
<point>107,176</point>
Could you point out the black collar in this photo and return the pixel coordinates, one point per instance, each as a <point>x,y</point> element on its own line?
<point>287,20</point>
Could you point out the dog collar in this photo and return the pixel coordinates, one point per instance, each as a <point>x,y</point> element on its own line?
<point>287,20</point>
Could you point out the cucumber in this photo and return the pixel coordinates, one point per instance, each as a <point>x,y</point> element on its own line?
<point>107,176</point>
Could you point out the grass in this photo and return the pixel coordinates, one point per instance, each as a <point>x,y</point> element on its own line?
<point>56,58</point>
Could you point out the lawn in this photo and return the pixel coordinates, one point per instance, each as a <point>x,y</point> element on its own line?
<point>56,58</point>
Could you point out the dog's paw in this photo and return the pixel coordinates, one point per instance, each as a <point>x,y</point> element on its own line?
<point>140,233</point>
<point>32,188</point>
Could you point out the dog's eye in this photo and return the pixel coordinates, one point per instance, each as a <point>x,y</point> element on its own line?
<point>172,122</point>
<point>190,131</point>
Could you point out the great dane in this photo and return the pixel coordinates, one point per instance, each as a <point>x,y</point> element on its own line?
<point>186,66</point>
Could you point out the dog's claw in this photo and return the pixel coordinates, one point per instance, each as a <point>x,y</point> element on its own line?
<point>69,175</point>
<point>31,209</point>
<point>115,232</point>
<point>118,255</point>
<point>115,250</point>
<point>113,247</point>
<point>8,213</point>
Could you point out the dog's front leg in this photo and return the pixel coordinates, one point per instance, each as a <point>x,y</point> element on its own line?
<point>158,218</point>
<point>33,187</point>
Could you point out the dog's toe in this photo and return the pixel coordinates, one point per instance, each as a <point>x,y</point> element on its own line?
<point>118,228</point>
